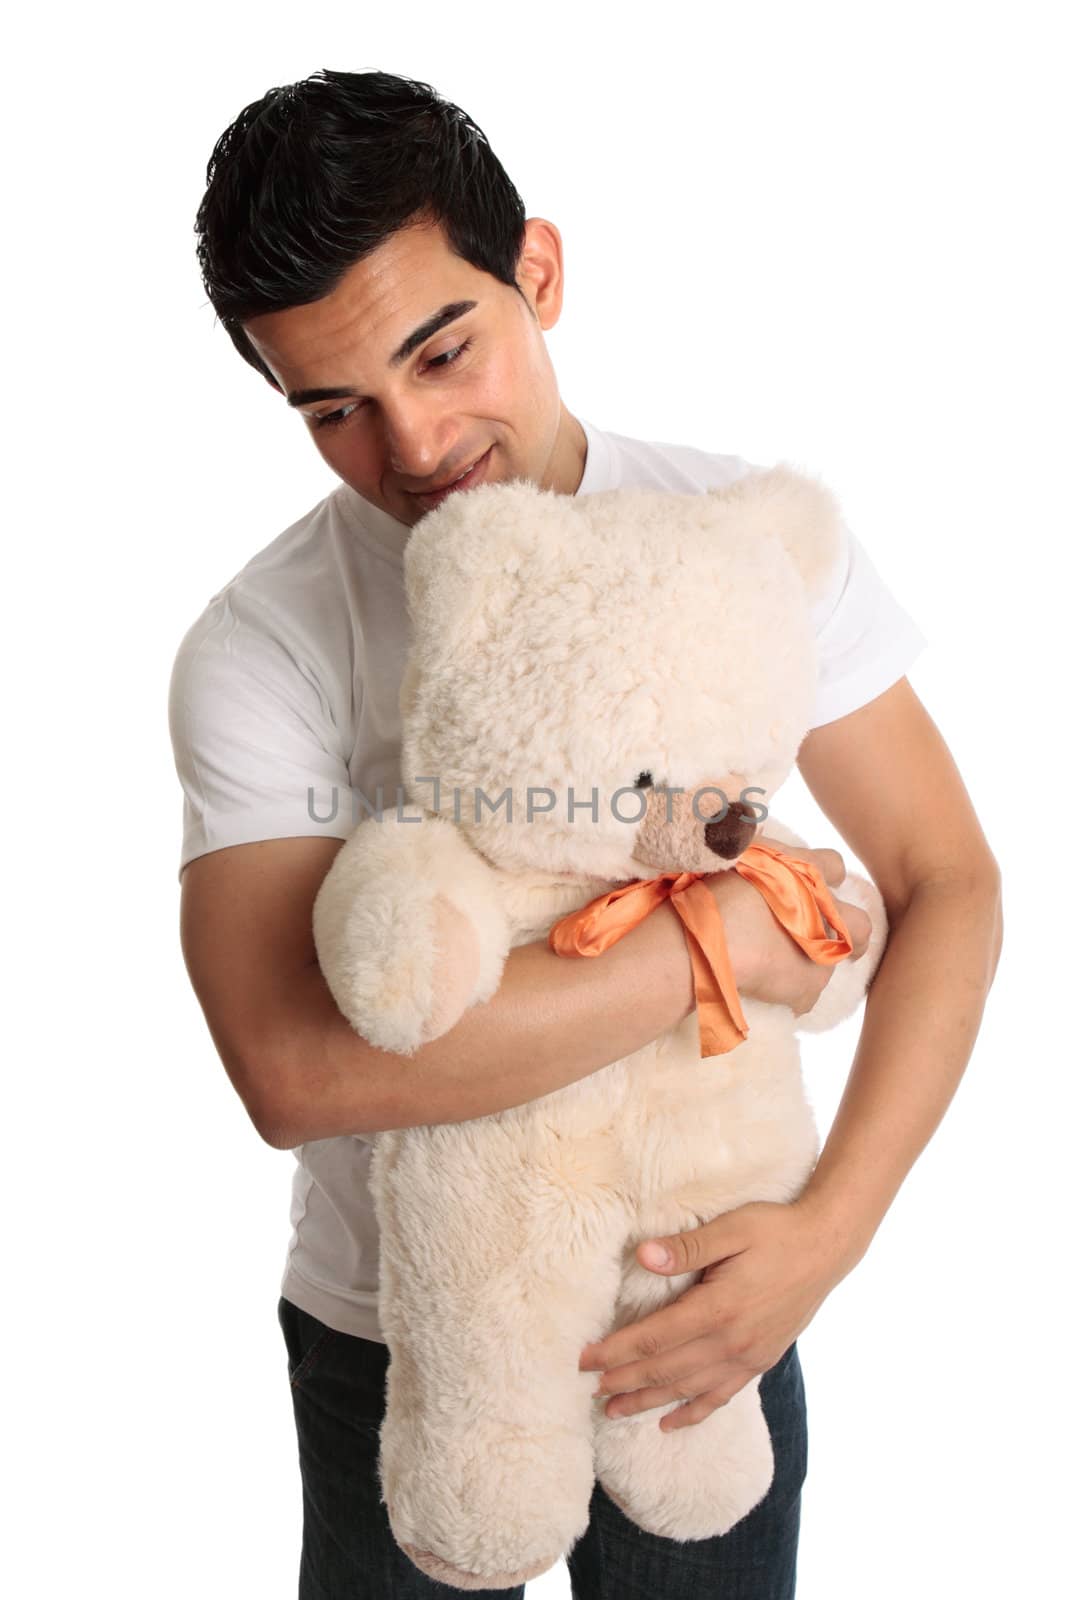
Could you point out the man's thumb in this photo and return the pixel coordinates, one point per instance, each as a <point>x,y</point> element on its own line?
<point>685,1252</point>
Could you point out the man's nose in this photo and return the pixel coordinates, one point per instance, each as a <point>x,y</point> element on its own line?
<point>417,440</point>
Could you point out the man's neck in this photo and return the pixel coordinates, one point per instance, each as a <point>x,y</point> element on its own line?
<point>566,465</point>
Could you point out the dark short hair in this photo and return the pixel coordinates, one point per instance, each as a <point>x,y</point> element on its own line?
<point>312,177</point>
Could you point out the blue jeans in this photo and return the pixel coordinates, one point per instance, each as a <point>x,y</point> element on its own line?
<point>349,1553</point>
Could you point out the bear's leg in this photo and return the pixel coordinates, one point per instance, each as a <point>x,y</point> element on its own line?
<point>687,1483</point>
<point>500,1250</point>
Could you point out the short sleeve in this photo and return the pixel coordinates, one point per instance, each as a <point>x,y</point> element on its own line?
<point>866,639</point>
<point>257,751</point>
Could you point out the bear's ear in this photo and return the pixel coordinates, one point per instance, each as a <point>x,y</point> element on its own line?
<point>798,511</point>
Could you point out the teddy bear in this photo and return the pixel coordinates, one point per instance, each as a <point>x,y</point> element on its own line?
<point>601,693</point>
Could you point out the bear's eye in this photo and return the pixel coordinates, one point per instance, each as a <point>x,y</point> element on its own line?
<point>643,780</point>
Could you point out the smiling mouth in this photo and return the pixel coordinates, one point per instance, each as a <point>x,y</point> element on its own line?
<point>473,475</point>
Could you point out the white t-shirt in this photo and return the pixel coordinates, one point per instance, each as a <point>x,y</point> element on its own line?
<point>283,704</point>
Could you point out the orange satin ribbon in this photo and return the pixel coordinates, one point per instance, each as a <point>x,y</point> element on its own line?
<point>795,891</point>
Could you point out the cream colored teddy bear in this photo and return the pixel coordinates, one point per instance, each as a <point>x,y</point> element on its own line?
<point>619,644</point>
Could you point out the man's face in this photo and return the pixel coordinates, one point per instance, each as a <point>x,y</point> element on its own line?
<point>410,407</point>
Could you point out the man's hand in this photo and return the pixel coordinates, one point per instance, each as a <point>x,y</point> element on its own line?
<point>768,1268</point>
<point>768,962</point>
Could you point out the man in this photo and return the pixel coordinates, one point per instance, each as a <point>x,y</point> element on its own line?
<point>369,257</point>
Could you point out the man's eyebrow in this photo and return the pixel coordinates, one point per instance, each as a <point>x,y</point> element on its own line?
<point>425,330</point>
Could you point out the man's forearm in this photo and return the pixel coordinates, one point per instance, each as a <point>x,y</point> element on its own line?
<point>922,1016</point>
<point>551,1022</point>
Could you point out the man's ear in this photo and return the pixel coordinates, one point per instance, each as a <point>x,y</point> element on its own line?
<point>540,271</point>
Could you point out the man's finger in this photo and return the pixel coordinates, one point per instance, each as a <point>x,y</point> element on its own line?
<point>627,1405</point>
<point>831,863</point>
<point>696,1410</point>
<point>651,1338</point>
<point>697,1247</point>
<point>646,1340</point>
<point>858,924</point>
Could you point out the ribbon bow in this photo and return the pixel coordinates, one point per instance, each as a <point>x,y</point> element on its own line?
<point>794,889</point>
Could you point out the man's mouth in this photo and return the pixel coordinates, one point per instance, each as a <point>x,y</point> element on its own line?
<point>466,480</point>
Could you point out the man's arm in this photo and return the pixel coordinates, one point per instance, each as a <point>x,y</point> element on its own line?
<point>886,780</point>
<point>304,1074</point>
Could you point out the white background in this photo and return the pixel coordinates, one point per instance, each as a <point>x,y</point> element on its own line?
<point>821,233</point>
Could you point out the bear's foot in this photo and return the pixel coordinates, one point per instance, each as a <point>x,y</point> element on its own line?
<point>443,1572</point>
<point>488,1506</point>
<point>688,1483</point>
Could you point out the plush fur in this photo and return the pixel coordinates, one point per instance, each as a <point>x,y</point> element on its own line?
<point>565,643</point>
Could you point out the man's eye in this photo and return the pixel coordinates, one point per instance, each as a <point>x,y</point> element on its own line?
<point>449,356</point>
<point>333,419</point>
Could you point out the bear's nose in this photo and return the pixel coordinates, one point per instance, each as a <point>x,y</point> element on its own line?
<point>733,832</point>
